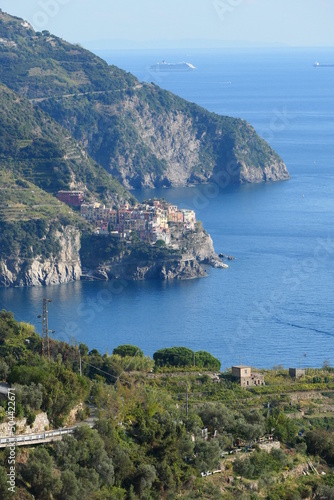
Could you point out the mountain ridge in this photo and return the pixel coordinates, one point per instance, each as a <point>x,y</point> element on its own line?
<point>144,135</point>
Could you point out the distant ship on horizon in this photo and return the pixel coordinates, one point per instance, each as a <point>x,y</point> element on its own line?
<point>318,65</point>
<point>165,66</point>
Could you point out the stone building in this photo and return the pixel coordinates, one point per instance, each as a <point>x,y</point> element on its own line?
<point>245,376</point>
<point>296,372</point>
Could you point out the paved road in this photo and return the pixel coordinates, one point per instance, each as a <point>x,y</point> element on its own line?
<point>47,436</point>
<point>80,94</point>
<point>4,388</point>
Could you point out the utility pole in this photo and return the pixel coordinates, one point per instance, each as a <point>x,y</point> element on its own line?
<point>268,409</point>
<point>45,335</point>
<point>187,402</point>
<point>80,363</point>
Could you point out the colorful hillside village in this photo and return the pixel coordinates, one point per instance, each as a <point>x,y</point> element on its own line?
<point>151,220</point>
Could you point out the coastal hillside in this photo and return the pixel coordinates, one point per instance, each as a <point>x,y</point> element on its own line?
<point>40,237</point>
<point>36,148</point>
<point>143,135</point>
<point>161,429</point>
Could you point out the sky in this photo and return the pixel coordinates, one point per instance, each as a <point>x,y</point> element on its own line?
<point>161,22</point>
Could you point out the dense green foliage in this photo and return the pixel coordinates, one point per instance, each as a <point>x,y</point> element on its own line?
<point>321,442</point>
<point>28,239</point>
<point>35,148</point>
<point>41,385</point>
<point>150,440</point>
<point>183,357</point>
<point>261,463</point>
<point>128,350</point>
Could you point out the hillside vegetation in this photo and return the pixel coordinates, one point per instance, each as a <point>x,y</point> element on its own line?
<point>143,135</point>
<point>36,148</point>
<point>160,434</point>
<point>30,219</point>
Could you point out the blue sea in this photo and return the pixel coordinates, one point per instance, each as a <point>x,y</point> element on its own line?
<point>275,303</point>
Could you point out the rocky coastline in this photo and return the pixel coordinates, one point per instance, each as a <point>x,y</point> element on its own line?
<point>55,270</point>
<point>197,251</point>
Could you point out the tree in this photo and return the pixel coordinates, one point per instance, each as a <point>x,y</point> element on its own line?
<point>207,455</point>
<point>84,454</point>
<point>206,360</point>
<point>182,357</point>
<point>321,443</point>
<point>128,350</point>
<point>217,417</point>
<point>122,463</point>
<point>160,244</point>
<point>30,396</point>
<point>70,486</point>
<point>4,370</point>
<point>38,471</point>
<point>285,429</point>
<point>146,475</point>
<point>174,356</point>
<point>4,493</point>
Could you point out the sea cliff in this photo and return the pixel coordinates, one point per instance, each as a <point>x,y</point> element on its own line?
<point>38,271</point>
<point>67,265</point>
<point>183,262</point>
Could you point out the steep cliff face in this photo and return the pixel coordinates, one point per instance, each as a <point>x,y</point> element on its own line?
<point>191,250</point>
<point>63,268</point>
<point>170,144</point>
<point>182,144</point>
<point>151,138</point>
<point>199,244</point>
<point>180,267</point>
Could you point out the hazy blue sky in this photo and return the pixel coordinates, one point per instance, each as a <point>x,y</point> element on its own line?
<point>292,22</point>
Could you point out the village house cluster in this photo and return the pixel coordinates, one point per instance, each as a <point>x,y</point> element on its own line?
<point>151,220</point>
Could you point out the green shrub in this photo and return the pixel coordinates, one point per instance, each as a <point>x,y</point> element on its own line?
<point>128,350</point>
<point>31,418</point>
<point>184,357</point>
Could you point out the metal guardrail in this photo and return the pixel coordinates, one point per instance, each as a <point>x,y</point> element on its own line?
<point>26,439</point>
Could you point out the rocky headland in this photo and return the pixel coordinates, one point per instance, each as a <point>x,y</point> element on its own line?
<point>191,252</point>
<point>184,262</point>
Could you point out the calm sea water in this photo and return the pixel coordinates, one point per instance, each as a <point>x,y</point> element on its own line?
<point>275,303</point>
